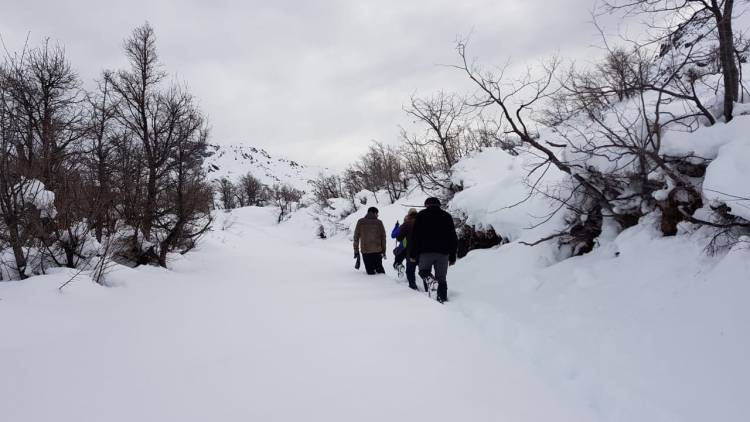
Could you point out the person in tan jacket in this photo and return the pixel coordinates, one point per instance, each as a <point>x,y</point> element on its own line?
<point>369,238</point>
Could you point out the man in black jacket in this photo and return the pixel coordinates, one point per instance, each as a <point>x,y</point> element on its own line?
<point>434,243</point>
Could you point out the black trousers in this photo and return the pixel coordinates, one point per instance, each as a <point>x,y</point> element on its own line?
<point>440,262</point>
<point>411,269</point>
<point>399,258</point>
<point>373,263</point>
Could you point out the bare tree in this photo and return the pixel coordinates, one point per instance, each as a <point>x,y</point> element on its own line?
<point>707,18</point>
<point>516,104</point>
<point>186,214</point>
<point>284,197</point>
<point>227,193</point>
<point>251,190</point>
<point>431,153</point>
<point>441,114</point>
<point>47,94</point>
<point>100,156</point>
<point>326,187</point>
<point>12,210</point>
<point>170,134</point>
<point>140,112</point>
<point>387,163</point>
<point>42,130</point>
<point>380,168</point>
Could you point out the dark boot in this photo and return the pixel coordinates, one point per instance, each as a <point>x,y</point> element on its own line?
<point>442,291</point>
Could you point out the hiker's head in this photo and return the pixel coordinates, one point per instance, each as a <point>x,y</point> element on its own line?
<point>372,210</point>
<point>410,215</point>
<point>432,202</point>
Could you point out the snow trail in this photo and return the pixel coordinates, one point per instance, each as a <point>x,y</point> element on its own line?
<point>255,325</point>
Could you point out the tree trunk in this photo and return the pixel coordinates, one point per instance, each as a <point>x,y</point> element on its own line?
<point>167,244</point>
<point>15,244</point>
<point>730,72</point>
<point>102,210</point>
<point>150,211</point>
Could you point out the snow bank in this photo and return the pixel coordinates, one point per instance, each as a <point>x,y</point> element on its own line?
<point>496,192</point>
<point>706,141</point>
<point>727,179</point>
<point>643,328</point>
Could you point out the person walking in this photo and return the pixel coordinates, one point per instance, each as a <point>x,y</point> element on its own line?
<point>399,253</point>
<point>433,244</point>
<point>404,236</point>
<point>369,238</point>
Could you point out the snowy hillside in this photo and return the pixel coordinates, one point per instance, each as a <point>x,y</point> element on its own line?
<point>235,161</point>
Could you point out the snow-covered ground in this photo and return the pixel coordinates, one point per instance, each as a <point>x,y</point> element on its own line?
<point>256,325</point>
<point>262,323</point>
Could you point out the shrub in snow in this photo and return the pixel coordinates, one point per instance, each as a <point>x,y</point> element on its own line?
<point>473,237</point>
<point>286,199</point>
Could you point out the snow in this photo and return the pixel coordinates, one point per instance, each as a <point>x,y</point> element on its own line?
<point>256,325</point>
<point>496,192</point>
<point>35,193</point>
<point>705,142</point>
<point>726,177</point>
<point>387,212</point>
<point>643,328</point>
<point>266,322</point>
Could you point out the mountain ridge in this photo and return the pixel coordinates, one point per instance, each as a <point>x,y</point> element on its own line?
<point>232,161</point>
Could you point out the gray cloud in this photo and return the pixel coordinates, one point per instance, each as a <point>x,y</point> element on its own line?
<point>314,81</point>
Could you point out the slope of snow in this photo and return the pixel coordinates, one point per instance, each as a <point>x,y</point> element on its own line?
<point>643,328</point>
<point>256,325</point>
<point>235,161</point>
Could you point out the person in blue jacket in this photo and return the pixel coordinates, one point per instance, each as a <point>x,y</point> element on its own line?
<point>403,233</point>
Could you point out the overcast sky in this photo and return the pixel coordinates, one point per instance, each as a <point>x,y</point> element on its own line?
<point>314,81</point>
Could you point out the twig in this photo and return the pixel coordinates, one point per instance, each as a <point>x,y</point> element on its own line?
<point>556,235</point>
<point>71,279</point>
